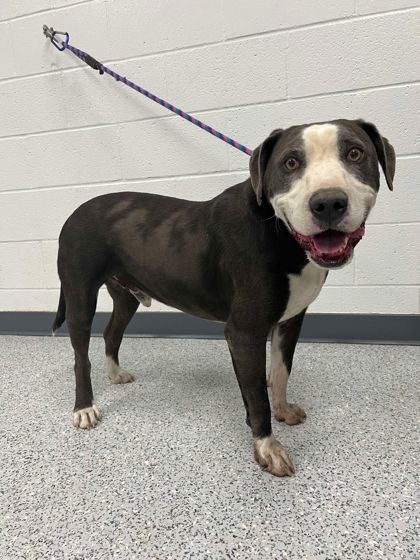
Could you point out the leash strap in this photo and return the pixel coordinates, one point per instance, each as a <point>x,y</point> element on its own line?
<point>51,34</point>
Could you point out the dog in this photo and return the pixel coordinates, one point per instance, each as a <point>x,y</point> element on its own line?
<point>254,257</point>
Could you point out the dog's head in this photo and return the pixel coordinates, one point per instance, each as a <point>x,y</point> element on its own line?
<point>322,181</point>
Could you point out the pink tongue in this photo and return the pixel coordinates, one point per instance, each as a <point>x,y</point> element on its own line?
<point>329,241</point>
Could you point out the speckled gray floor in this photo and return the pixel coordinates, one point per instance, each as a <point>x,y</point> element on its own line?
<point>169,474</point>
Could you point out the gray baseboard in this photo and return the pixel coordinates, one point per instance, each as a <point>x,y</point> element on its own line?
<point>350,328</point>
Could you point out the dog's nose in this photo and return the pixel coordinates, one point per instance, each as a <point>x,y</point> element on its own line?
<point>328,206</point>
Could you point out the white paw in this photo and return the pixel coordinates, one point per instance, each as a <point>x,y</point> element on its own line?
<point>290,413</point>
<point>271,455</point>
<point>117,374</point>
<point>122,376</point>
<point>86,417</point>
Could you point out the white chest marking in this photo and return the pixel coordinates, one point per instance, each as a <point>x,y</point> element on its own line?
<point>304,289</point>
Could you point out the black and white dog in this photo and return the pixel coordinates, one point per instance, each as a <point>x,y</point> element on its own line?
<point>253,257</point>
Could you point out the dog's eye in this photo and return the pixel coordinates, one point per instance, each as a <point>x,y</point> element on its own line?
<point>355,155</point>
<point>291,164</point>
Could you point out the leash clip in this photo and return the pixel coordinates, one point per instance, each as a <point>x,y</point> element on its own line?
<point>50,34</point>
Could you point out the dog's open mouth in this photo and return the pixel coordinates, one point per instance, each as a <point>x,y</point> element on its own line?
<point>331,248</point>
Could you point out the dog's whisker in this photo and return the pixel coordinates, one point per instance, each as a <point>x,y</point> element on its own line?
<point>270,218</point>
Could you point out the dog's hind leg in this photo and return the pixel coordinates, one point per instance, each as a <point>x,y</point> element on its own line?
<point>125,305</point>
<point>80,309</point>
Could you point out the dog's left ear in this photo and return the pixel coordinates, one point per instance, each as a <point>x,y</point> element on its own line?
<point>384,150</point>
<point>259,160</point>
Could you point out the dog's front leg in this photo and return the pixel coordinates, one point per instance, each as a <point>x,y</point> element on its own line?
<point>283,342</point>
<point>248,356</point>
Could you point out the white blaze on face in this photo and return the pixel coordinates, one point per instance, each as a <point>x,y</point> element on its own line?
<point>323,169</point>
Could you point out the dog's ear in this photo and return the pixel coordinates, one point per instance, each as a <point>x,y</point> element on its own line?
<point>259,160</point>
<point>384,150</point>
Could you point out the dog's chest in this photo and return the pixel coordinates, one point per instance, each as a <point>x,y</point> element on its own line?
<point>304,289</point>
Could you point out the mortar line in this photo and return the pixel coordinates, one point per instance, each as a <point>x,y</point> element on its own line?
<point>228,40</point>
<point>201,112</point>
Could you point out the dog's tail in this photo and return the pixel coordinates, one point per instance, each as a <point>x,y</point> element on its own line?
<point>61,313</point>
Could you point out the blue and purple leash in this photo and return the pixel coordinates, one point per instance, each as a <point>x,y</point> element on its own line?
<point>90,61</point>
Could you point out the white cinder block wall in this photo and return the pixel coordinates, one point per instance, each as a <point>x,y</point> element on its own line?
<point>244,67</point>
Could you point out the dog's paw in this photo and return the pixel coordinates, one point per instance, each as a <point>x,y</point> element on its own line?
<point>290,413</point>
<point>117,374</point>
<point>273,457</point>
<point>122,376</point>
<point>86,418</point>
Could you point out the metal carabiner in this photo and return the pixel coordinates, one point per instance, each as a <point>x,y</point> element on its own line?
<point>50,34</point>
